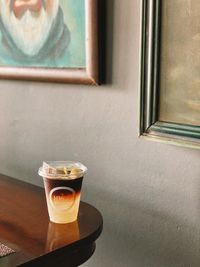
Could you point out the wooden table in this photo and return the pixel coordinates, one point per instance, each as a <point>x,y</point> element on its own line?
<point>25,227</point>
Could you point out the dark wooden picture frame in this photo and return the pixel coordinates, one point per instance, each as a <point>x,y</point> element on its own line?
<point>87,75</point>
<point>150,124</point>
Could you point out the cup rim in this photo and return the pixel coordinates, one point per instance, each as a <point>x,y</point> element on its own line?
<point>83,170</point>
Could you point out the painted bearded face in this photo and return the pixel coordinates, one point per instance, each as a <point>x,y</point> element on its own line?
<point>28,22</point>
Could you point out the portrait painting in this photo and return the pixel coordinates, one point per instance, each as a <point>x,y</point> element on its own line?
<point>48,35</point>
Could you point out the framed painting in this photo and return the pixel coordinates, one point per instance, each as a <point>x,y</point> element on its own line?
<point>170,71</point>
<point>49,40</point>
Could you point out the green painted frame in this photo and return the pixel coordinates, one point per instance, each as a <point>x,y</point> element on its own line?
<point>150,126</point>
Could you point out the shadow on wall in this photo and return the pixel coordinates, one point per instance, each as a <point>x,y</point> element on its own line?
<point>135,235</point>
<point>105,36</point>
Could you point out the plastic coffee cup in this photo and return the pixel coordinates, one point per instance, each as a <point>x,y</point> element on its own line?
<point>62,183</point>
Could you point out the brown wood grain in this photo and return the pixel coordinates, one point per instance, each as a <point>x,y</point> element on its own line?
<point>25,227</point>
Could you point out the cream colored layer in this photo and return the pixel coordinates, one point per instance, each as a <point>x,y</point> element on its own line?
<point>64,216</point>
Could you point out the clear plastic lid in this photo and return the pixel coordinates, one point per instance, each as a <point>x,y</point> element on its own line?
<point>62,169</point>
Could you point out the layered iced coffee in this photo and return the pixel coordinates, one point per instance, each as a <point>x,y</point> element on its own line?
<point>62,182</point>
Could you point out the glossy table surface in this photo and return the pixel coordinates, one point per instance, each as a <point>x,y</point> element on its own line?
<point>25,227</point>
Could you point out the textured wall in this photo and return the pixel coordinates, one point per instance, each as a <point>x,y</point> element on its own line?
<point>148,193</point>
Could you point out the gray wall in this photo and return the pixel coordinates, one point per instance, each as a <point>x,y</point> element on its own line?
<point>148,193</point>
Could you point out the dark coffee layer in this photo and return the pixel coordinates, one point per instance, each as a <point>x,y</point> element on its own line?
<point>74,184</point>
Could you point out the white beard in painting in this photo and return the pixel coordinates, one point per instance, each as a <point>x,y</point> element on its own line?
<point>28,22</point>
